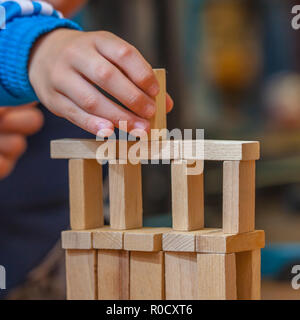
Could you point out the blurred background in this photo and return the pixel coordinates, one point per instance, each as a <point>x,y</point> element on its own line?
<point>233,69</point>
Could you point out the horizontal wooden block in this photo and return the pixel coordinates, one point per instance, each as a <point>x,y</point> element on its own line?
<point>107,238</point>
<point>173,149</point>
<point>184,241</point>
<point>76,239</point>
<point>212,241</point>
<point>219,242</point>
<point>145,239</point>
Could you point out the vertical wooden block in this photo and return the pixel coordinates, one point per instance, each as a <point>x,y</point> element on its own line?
<point>181,276</point>
<point>113,275</point>
<point>248,275</point>
<point>147,276</point>
<point>238,196</point>
<point>85,177</point>
<point>81,274</point>
<point>159,120</point>
<point>187,198</point>
<point>125,194</point>
<point>216,276</point>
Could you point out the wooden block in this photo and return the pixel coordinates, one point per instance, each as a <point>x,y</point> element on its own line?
<point>145,239</point>
<point>216,276</point>
<point>125,194</point>
<point>76,239</point>
<point>113,275</point>
<point>85,177</point>
<point>238,196</point>
<point>81,274</point>
<point>248,275</point>
<point>187,198</point>
<point>181,276</point>
<point>159,120</point>
<point>216,150</point>
<point>219,242</point>
<point>182,241</point>
<point>107,238</point>
<point>147,276</point>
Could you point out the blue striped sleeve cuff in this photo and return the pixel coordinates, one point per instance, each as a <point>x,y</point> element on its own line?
<point>16,42</point>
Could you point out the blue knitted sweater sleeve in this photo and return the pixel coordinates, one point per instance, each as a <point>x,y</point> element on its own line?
<point>22,22</point>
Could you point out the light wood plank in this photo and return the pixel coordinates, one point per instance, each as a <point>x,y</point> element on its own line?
<point>216,276</point>
<point>238,196</point>
<point>159,120</point>
<point>85,177</point>
<point>220,242</point>
<point>125,194</point>
<point>81,274</point>
<point>216,150</point>
<point>181,276</point>
<point>187,198</point>
<point>76,239</point>
<point>248,266</point>
<point>107,238</point>
<point>145,239</point>
<point>147,276</point>
<point>113,275</point>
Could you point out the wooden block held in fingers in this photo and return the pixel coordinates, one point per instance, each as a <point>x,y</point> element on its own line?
<point>71,239</point>
<point>125,194</point>
<point>159,120</point>
<point>147,276</point>
<point>187,198</point>
<point>144,239</point>
<point>113,275</point>
<point>248,275</point>
<point>238,196</point>
<point>107,238</point>
<point>81,274</point>
<point>220,242</point>
<point>181,276</point>
<point>216,276</point>
<point>85,177</point>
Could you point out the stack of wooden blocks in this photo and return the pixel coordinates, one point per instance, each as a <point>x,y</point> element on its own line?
<point>188,261</point>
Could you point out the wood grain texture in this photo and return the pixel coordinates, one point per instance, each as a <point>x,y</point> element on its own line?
<point>147,276</point>
<point>159,120</point>
<point>85,177</point>
<point>248,265</point>
<point>220,242</point>
<point>238,196</point>
<point>125,194</point>
<point>81,274</point>
<point>216,150</point>
<point>216,276</point>
<point>76,239</point>
<point>113,275</point>
<point>144,239</point>
<point>187,198</point>
<point>107,238</point>
<point>181,276</point>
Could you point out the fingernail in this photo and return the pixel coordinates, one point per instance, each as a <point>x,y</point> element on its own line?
<point>153,90</point>
<point>104,131</point>
<point>140,126</point>
<point>150,111</point>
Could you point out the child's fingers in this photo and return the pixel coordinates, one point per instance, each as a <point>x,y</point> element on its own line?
<point>88,98</point>
<point>103,73</point>
<point>12,145</point>
<point>129,60</point>
<point>22,120</point>
<point>6,166</point>
<point>69,110</point>
<point>169,103</point>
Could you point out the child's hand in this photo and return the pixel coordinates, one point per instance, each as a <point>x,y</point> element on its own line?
<point>15,124</point>
<point>66,64</point>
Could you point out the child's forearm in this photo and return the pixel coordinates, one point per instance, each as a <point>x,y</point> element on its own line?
<point>25,22</point>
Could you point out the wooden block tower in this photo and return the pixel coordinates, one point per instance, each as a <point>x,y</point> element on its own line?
<point>188,261</point>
